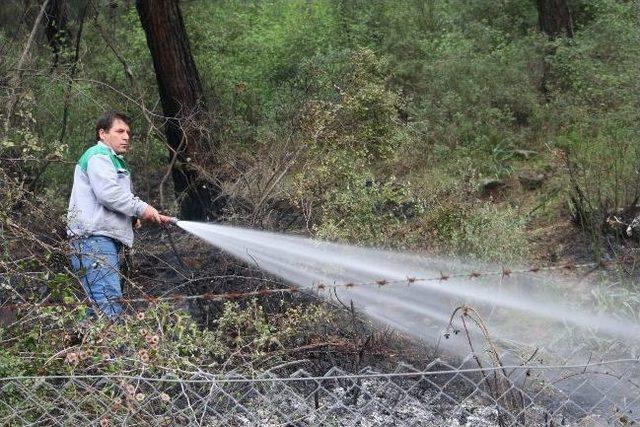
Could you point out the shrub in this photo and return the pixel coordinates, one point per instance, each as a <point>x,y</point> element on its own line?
<point>342,183</point>
<point>158,338</point>
<point>595,90</point>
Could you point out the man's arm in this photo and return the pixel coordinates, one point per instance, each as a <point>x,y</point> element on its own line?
<point>104,182</point>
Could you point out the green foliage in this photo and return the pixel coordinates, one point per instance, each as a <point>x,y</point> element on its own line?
<point>388,115</point>
<point>368,212</point>
<point>249,62</point>
<point>347,140</point>
<point>468,78</point>
<point>24,143</point>
<point>161,337</point>
<point>602,170</point>
<point>595,91</point>
<point>590,75</point>
<point>485,231</point>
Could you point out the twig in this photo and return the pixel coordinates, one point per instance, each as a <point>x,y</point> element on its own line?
<point>15,80</point>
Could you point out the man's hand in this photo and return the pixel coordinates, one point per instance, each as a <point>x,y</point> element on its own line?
<point>151,214</point>
<point>164,220</point>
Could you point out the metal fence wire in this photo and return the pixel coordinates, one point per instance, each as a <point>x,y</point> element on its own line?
<point>603,393</point>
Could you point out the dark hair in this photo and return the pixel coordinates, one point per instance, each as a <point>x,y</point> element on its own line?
<point>106,121</point>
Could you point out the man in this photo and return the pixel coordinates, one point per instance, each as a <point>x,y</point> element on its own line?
<point>102,209</point>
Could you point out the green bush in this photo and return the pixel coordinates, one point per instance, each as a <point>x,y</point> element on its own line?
<point>368,212</point>
<point>342,182</point>
<point>487,232</point>
<point>161,337</point>
<point>595,90</point>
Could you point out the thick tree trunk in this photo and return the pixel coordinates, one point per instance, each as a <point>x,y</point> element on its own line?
<point>182,102</point>
<point>555,18</point>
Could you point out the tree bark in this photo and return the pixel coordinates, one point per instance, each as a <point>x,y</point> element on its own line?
<point>56,29</point>
<point>554,17</point>
<point>182,103</point>
<point>555,20</point>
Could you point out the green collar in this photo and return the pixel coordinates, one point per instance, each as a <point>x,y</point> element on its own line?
<point>101,148</point>
<point>120,156</point>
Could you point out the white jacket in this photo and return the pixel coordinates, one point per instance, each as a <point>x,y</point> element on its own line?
<point>102,202</point>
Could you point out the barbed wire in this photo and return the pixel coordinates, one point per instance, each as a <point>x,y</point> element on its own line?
<point>319,287</point>
<point>228,377</point>
<point>504,272</point>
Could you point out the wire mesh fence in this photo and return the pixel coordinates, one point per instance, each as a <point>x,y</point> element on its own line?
<point>440,394</point>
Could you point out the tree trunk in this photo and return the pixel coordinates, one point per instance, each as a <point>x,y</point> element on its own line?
<point>182,103</point>
<point>555,18</point>
<point>14,79</point>
<point>56,30</point>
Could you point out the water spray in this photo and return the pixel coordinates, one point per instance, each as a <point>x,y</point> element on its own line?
<point>311,264</point>
<point>533,313</point>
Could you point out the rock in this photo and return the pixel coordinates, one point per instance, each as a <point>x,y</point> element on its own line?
<point>633,229</point>
<point>492,185</point>
<point>524,154</point>
<point>531,180</point>
<point>624,222</point>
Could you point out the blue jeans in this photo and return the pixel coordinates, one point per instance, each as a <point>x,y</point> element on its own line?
<point>96,261</point>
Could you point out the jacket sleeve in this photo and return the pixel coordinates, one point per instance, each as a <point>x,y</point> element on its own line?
<point>104,183</point>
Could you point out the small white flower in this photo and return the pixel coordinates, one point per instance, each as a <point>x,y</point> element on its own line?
<point>72,358</point>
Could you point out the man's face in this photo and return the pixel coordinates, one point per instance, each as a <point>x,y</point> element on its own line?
<point>117,137</point>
